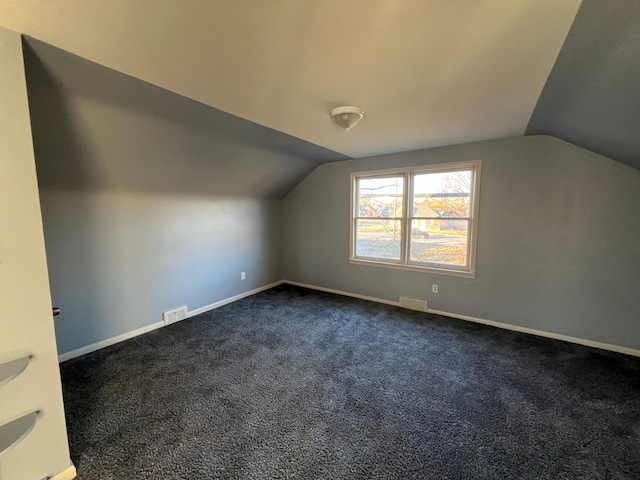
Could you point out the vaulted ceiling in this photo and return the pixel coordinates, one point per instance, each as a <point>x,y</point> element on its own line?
<point>426,72</point>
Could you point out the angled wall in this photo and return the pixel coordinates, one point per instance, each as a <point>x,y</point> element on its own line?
<point>591,97</point>
<point>150,201</point>
<point>558,233</point>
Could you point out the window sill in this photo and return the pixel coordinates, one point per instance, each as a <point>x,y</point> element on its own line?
<point>413,268</point>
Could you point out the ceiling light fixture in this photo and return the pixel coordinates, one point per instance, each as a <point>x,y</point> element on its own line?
<point>346,117</point>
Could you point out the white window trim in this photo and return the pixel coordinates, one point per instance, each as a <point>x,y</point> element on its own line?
<point>405,263</point>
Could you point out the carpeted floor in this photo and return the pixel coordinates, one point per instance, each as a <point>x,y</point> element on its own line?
<point>292,383</point>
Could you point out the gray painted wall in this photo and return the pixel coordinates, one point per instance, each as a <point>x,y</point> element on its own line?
<point>119,259</point>
<point>150,201</point>
<point>592,96</point>
<point>558,245</point>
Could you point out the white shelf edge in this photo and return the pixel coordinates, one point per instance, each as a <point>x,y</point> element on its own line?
<point>12,433</point>
<point>11,369</point>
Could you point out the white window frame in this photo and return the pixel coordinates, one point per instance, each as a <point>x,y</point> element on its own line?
<point>405,263</point>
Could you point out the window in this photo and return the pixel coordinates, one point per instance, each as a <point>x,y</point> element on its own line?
<point>417,218</point>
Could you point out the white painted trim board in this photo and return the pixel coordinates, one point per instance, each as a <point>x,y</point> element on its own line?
<point>226,301</point>
<point>340,292</point>
<point>154,326</point>
<point>68,473</point>
<point>468,318</point>
<point>541,333</point>
<point>108,342</point>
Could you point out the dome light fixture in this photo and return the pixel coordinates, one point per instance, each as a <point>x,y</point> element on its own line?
<point>346,117</point>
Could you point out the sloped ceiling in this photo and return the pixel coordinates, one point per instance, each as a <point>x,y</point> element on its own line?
<point>95,129</point>
<point>592,96</point>
<point>426,72</point>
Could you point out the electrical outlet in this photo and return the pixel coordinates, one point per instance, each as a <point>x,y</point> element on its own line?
<point>242,276</point>
<point>434,288</point>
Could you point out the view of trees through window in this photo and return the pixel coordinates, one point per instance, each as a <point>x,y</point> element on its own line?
<point>439,217</point>
<point>380,213</point>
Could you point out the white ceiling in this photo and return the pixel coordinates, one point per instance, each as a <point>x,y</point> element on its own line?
<point>426,72</point>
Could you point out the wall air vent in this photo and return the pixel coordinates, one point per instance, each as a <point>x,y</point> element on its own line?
<point>413,304</point>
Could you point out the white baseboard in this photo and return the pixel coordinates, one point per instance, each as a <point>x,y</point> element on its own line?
<point>542,333</point>
<point>226,301</point>
<point>134,333</point>
<point>108,342</point>
<point>125,336</point>
<point>506,326</point>
<point>340,292</point>
<point>68,473</point>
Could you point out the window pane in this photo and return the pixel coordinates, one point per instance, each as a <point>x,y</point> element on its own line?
<point>444,194</point>
<point>439,241</point>
<point>380,197</point>
<point>378,239</point>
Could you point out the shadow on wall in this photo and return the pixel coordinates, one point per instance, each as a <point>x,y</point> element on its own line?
<point>57,146</point>
<point>591,97</point>
<point>98,129</point>
<point>150,201</point>
<point>117,260</point>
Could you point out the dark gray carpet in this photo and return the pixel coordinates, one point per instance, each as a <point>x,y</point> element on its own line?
<point>292,383</point>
